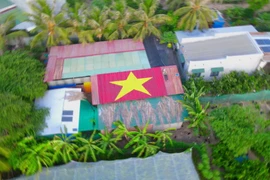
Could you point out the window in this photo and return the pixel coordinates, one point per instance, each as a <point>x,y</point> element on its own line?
<point>67,116</point>
<point>215,71</point>
<point>197,72</point>
<point>214,74</point>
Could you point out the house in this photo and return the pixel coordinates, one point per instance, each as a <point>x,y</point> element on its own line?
<point>136,97</point>
<point>218,51</point>
<point>65,109</point>
<point>160,166</point>
<point>74,64</point>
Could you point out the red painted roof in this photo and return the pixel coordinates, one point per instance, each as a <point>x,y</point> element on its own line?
<point>122,86</point>
<point>59,53</point>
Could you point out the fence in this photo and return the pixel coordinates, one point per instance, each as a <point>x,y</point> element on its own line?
<point>234,98</point>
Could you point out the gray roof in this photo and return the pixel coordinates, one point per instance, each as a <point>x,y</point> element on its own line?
<point>219,48</point>
<point>28,26</point>
<point>162,166</point>
<point>211,32</point>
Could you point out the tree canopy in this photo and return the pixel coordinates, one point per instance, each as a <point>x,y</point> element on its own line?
<point>22,75</point>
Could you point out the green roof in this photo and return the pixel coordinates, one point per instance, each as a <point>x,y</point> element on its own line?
<point>5,3</point>
<point>106,63</point>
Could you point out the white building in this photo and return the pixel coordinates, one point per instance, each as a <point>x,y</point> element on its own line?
<point>62,111</point>
<point>219,51</point>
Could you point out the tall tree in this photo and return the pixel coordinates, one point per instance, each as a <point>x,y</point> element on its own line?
<point>76,22</point>
<point>22,75</point>
<point>146,21</point>
<point>6,34</point>
<point>196,13</point>
<point>175,4</point>
<point>121,15</point>
<point>98,20</point>
<point>48,24</point>
<point>18,118</point>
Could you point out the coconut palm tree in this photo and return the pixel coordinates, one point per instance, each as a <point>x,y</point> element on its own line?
<point>196,13</point>
<point>121,15</point>
<point>4,155</point>
<point>88,148</point>
<point>98,20</point>
<point>164,136</point>
<point>108,143</point>
<point>146,21</point>
<point>64,147</point>
<point>76,23</point>
<point>33,156</point>
<point>49,25</point>
<point>175,4</point>
<point>6,34</point>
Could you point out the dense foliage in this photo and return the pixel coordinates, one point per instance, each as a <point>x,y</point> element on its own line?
<point>196,111</point>
<point>241,130</point>
<point>22,75</point>
<point>232,83</point>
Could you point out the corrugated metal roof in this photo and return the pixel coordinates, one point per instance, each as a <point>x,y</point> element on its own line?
<point>107,63</point>
<point>135,85</point>
<point>217,48</point>
<point>59,53</point>
<point>211,32</point>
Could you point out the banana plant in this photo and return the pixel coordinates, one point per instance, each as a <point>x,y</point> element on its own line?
<point>88,148</point>
<point>108,143</point>
<point>64,146</point>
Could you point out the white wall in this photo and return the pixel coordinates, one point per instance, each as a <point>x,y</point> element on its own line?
<point>247,63</point>
<point>55,101</point>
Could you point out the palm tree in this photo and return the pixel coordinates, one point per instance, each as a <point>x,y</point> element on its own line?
<point>88,147</point>
<point>77,23</point>
<point>48,25</point>
<point>146,21</point>
<point>175,4</point>
<point>64,146</point>
<point>4,155</point>
<point>141,142</point>
<point>98,20</point>
<point>6,34</point>
<point>120,130</point>
<point>108,143</point>
<point>121,15</point>
<point>195,14</point>
<point>33,156</point>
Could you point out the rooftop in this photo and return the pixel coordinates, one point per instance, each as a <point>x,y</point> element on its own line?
<point>160,166</point>
<point>62,112</point>
<point>219,47</point>
<point>213,31</point>
<point>108,56</point>
<point>109,88</point>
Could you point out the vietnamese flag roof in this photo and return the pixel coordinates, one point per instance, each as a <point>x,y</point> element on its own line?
<point>135,85</point>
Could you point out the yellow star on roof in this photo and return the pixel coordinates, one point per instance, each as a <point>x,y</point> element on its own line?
<point>130,84</point>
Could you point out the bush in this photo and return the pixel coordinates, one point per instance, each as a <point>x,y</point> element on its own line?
<point>232,83</point>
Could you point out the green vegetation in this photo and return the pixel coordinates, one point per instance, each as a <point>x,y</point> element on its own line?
<point>196,111</point>
<point>195,14</point>
<point>241,130</point>
<point>6,35</point>
<point>232,83</point>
